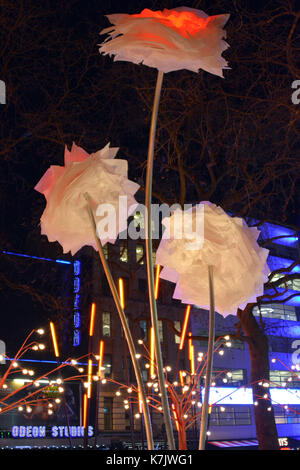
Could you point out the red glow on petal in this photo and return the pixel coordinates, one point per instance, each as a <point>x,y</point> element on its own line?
<point>184,21</point>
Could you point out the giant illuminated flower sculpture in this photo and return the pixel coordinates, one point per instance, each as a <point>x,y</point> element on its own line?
<point>225,243</point>
<point>65,218</point>
<point>181,38</point>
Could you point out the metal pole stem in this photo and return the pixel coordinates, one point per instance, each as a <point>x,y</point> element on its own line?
<point>150,271</point>
<point>209,366</point>
<point>125,326</point>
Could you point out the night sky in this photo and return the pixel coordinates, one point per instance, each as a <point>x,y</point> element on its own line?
<point>238,136</point>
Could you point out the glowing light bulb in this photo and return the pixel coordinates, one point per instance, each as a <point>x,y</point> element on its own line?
<point>40,331</point>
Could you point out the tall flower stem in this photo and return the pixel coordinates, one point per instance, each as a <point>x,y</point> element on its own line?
<point>150,271</point>
<point>209,366</point>
<point>126,329</point>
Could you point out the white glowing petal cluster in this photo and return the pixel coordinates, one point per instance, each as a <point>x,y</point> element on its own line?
<point>227,244</point>
<point>168,40</point>
<point>65,218</point>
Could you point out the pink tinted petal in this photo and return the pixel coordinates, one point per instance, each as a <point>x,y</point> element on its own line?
<point>48,180</point>
<point>77,154</point>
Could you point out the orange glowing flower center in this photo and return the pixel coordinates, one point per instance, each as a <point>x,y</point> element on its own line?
<point>184,21</point>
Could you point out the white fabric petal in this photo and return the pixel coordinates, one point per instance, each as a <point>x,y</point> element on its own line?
<point>229,245</point>
<point>158,42</point>
<point>65,218</point>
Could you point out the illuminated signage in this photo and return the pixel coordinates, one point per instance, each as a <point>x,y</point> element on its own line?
<point>55,431</point>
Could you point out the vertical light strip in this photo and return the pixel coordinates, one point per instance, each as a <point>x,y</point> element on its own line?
<point>192,360</point>
<point>85,402</point>
<point>100,363</point>
<point>156,288</point>
<point>55,346</point>
<point>152,352</point>
<point>121,293</point>
<point>90,367</point>
<point>185,324</point>
<point>181,378</point>
<point>92,319</point>
<point>175,417</point>
<point>140,404</point>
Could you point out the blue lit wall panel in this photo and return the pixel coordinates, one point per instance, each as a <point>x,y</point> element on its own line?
<point>276,262</point>
<point>289,236</point>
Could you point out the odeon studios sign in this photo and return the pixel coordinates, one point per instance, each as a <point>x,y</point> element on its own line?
<point>55,431</point>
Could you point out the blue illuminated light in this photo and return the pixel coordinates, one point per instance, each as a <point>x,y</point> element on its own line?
<point>287,236</point>
<point>76,303</point>
<point>37,257</point>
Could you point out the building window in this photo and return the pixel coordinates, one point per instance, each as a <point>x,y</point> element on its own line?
<point>106,324</point>
<point>143,286</point>
<point>235,343</point>
<point>143,327</point>
<point>293,284</point>
<point>230,416</point>
<point>160,331</point>
<point>107,364</point>
<point>105,250</point>
<point>280,311</point>
<point>105,287</point>
<point>139,220</point>
<point>108,413</point>
<point>128,370</point>
<point>123,252</point>
<point>287,416</point>
<point>232,377</point>
<point>139,250</point>
<point>177,327</point>
<point>283,378</point>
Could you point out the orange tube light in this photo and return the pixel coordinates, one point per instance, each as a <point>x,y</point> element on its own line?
<point>152,352</point>
<point>190,345</point>
<point>90,367</point>
<point>156,287</point>
<point>85,402</point>
<point>53,335</point>
<point>100,363</point>
<point>121,292</point>
<point>175,417</point>
<point>140,404</point>
<point>192,359</point>
<point>92,319</point>
<point>181,378</point>
<point>185,323</point>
